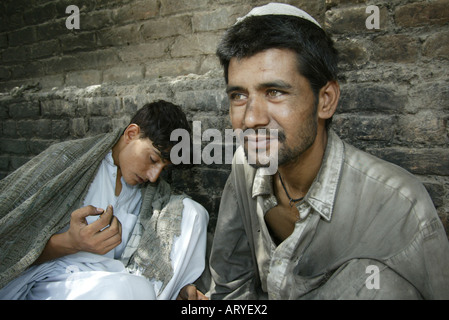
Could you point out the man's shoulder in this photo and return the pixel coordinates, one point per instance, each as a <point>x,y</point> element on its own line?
<point>381,172</point>
<point>386,186</point>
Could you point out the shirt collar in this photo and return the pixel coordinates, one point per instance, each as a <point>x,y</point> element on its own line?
<point>322,192</point>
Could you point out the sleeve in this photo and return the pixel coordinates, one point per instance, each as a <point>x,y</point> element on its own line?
<point>424,261</point>
<point>231,261</point>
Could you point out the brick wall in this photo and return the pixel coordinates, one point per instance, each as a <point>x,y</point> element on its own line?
<point>63,84</point>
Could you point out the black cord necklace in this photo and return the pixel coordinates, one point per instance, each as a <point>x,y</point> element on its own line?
<point>292,201</point>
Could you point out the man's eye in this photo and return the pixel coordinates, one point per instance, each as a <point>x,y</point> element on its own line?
<point>274,93</point>
<point>237,96</point>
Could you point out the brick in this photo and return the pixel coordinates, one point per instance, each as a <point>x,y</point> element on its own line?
<point>25,109</point>
<point>395,48</point>
<point>95,20</point>
<point>5,102</point>
<point>12,7</point>
<point>43,128</point>
<point>5,73</point>
<point>422,13</point>
<point>13,146</point>
<point>56,108</point>
<point>77,127</point>
<point>437,45</point>
<point>433,95</point>
<point>175,6</point>
<point>217,19</point>
<point>27,70</point>
<point>352,51</point>
<point>22,36</point>
<point>78,41</point>
<point>83,78</point>
<point>436,191</point>
<point>9,129</point>
<point>60,128</point>
<point>424,128</point>
<point>362,127</point>
<point>84,6</point>
<point>51,30</point>
<point>144,51</point>
<point>119,36</point>
<point>30,52</point>
<point>210,62</point>
<point>333,3</point>
<point>81,61</point>
<point>25,128</point>
<point>167,27</point>
<point>123,73</point>
<point>39,14</point>
<point>200,100</point>
<point>135,11</point>
<point>51,81</point>
<point>103,106</point>
<point>14,21</point>
<point>99,125</point>
<point>195,44</point>
<point>376,98</point>
<point>3,41</point>
<point>121,123</point>
<point>14,54</point>
<point>172,67</point>
<point>352,20</point>
<point>4,163</point>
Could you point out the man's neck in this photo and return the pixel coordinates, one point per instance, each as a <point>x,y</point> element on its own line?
<point>298,176</point>
<point>116,149</point>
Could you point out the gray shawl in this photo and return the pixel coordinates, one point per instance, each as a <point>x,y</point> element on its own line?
<point>36,201</point>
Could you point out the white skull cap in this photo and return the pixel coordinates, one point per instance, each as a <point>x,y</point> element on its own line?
<point>279,9</point>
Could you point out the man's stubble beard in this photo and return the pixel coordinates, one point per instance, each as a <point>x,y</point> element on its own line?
<point>288,155</point>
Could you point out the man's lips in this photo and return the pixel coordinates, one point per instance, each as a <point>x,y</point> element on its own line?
<point>258,142</point>
<point>139,179</point>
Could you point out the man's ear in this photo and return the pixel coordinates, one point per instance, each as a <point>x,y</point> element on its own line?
<point>132,132</point>
<point>329,96</point>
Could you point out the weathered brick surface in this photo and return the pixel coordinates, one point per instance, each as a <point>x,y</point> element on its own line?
<point>63,84</point>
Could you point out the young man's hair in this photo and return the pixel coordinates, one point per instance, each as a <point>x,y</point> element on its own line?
<point>316,56</point>
<point>157,120</point>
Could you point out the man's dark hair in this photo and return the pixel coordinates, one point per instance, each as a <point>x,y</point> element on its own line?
<point>157,120</point>
<point>317,57</point>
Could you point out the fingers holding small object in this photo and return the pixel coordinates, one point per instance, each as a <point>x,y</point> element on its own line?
<point>109,230</point>
<point>104,220</point>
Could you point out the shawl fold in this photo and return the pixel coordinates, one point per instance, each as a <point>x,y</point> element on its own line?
<point>36,201</point>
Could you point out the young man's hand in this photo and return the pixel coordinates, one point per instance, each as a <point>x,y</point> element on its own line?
<point>98,237</point>
<point>190,292</point>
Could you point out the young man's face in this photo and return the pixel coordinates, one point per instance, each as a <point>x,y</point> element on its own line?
<point>266,91</point>
<point>139,160</point>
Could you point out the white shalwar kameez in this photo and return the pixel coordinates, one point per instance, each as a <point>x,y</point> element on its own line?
<point>90,276</point>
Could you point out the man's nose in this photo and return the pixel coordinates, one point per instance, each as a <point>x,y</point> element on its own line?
<point>256,113</point>
<point>154,172</point>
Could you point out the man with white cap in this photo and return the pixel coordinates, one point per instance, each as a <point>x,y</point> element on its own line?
<point>333,222</point>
